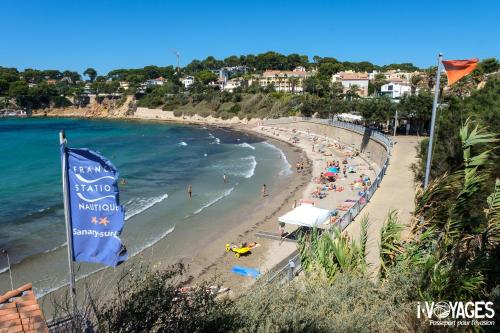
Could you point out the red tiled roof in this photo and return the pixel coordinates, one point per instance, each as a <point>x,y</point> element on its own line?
<point>354,76</point>
<point>19,312</point>
<point>270,73</point>
<point>396,80</point>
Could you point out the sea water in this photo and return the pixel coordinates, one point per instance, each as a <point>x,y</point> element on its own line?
<point>158,161</point>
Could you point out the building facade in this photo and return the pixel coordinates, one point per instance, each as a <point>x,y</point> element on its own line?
<point>155,82</point>
<point>231,85</point>
<point>395,89</point>
<point>285,81</point>
<point>187,81</point>
<point>350,79</point>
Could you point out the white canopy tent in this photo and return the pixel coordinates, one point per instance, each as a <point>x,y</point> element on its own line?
<point>306,215</point>
<point>349,117</point>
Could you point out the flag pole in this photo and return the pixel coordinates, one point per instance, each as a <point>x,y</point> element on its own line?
<point>433,121</point>
<point>67,217</point>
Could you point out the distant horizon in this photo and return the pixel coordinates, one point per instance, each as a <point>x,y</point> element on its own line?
<point>75,35</point>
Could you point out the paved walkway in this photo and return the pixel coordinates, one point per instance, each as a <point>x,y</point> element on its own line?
<point>397,191</point>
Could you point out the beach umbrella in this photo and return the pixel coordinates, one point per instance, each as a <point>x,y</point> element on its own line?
<point>329,174</point>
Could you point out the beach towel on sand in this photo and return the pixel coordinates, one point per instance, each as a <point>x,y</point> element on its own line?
<point>246,271</point>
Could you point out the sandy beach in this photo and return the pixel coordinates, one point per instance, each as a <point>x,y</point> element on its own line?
<point>209,260</point>
<point>209,251</point>
<point>272,252</point>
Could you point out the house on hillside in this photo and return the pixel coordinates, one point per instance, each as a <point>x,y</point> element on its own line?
<point>124,85</point>
<point>349,79</point>
<point>187,81</point>
<point>155,82</point>
<point>87,89</point>
<point>285,81</point>
<point>395,89</point>
<point>226,72</point>
<point>395,75</point>
<point>231,85</point>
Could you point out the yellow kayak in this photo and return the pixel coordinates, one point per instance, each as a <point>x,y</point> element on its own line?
<point>237,250</point>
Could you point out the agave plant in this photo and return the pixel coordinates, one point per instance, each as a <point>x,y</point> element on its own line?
<point>331,252</point>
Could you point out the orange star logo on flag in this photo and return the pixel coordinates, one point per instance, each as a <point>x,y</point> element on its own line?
<point>104,220</point>
<point>94,220</point>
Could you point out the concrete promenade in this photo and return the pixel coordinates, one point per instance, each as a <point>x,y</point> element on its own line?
<point>396,192</point>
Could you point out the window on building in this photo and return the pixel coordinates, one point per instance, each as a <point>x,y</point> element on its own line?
<point>389,87</point>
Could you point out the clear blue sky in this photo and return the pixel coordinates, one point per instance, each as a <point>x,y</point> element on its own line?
<point>76,34</point>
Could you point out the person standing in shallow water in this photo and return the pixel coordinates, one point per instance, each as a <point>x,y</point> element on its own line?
<point>190,191</point>
<point>225,178</point>
<point>264,190</point>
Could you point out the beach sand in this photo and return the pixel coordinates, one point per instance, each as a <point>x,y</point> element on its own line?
<point>273,252</point>
<point>208,250</point>
<point>208,259</point>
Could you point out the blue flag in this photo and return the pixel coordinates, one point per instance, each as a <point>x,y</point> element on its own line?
<point>97,217</point>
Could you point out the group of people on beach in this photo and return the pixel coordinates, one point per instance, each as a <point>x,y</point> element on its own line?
<point>299,167</point>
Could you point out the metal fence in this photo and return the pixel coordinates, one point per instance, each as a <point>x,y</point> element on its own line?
<point>293,266</point>
<point>290,267</point>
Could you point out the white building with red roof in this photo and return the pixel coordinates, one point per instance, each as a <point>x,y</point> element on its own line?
<point>349,79</point>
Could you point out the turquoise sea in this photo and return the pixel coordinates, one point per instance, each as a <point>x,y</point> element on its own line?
<point>158,162</point>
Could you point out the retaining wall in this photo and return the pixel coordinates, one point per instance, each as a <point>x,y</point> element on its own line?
<point>376,151</point>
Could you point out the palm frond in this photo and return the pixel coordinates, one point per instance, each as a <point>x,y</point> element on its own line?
<point>492,232</point>
<point>364,235</point>
<point>390,241</point>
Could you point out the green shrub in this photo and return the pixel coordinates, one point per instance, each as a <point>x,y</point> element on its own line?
<point>121,101</point>
<point>237,98</point>
<point>204,113</point>
<point>225,115</point>
<point>235,108</point>
<point>178,113</point>
<point>60,102</point>
<point>352,303</point>
<point>151,301</point>
<point>242,115</point>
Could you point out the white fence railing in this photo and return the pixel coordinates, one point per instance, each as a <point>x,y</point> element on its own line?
<point>288,271</point>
